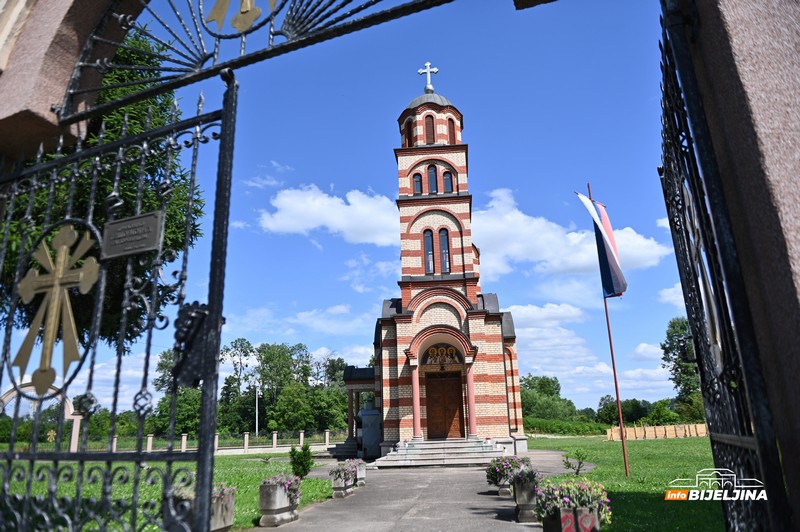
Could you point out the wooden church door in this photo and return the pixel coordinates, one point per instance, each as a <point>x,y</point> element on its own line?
<point>445,405</point>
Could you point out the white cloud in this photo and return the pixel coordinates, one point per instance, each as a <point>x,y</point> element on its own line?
<point>673,296</point>
<point>280,168</point>
<point>363,273</point>
<point>646,351</point>
<point>584,292</point>
<point>239,224</point>
<point>263,182</point>
<point>336,321</point>
<point>549,315</point>
<point>358,355</point>
<point>359,218</point>
<point>505,236</point>
<point>663,223</point>
<point>254,319</point>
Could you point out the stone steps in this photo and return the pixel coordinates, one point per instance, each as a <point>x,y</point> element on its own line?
<point>433,453</point>
<point>340,451</point>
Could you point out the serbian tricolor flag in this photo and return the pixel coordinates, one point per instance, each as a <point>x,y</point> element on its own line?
<point>614,283</point>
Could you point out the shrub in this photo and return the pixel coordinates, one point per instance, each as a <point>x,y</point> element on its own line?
<point>302,461</point>
<point>580,457</point>
<point>555,426</point>
<point>573,493</point>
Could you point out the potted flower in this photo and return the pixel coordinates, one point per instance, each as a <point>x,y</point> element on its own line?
<point>499,473</point>
<point>525,482</point>
<point>342,478</point>
<point>279,497</point>
<point>361,470</point>
<point>575,504</point>
<point>222,500</point>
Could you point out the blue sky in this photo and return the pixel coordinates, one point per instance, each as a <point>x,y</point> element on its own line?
<point>552,97</point>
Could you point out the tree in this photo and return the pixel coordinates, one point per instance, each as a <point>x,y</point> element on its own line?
<point>163,381</point>
<point>660,414</point>
<point>544,385</point>
<point>238,353</point>
<point>691,409</point>
<point>127,191</point>
<point>187,413</point>
<point>293,410</point>
<point>678,358</point>
<point>607,411</point>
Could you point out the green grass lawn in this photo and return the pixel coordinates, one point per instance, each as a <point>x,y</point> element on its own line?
<point>246,473</point>
<point>637,502</point>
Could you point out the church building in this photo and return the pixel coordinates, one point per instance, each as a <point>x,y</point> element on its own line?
<point>445,355</point>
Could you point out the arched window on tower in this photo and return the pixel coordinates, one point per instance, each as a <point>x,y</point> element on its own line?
<point>447,177</point>
<point>417,184</point>
<point>451,131</point>
<point>430,136</point>
<point>432,186</point>
<point>410,134</point>
<point>444,246</point>
<point>428,237</point>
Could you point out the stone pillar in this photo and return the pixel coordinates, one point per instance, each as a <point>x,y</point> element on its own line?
<point>302,437</point>
<point>216,442</point>
<point>246,441</point>
<point>415,399</point>
<point>184,437</point>
<point>76,434</point>
<point>274,439</point>
<point>149,443</point>
<point>114,444</point>
<point>327,437</point>
<point>349,414</point>
<point>473,416</point>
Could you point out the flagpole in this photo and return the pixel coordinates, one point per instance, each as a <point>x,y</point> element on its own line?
<point>616,381</point>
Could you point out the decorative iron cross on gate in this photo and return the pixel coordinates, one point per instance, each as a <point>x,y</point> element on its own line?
<point>55,310</point>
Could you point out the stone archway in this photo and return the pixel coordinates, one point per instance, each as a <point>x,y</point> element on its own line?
<point>69,409</point>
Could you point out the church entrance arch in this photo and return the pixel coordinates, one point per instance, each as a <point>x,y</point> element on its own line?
<point>443,373</point>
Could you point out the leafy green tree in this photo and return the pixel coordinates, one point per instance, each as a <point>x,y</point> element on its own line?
<point>134,118</point>
<point>548,386</point>
<point>330,408</point>
<point>678,358</point>
<point>660,414</point>
<point>587,414</point>
<point>293,409</point>
<point>691,409</point>
<point>163,381</point>
<point>238,353</point>
<point>187,413</point>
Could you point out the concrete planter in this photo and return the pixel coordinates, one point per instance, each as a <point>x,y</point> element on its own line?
<point>222,513</point>
<point>572,520</point>
<point>276,507</point>
<point>341,487</point>
<point>504,490</point>
<point>361,475</point>
<point>525,497</point>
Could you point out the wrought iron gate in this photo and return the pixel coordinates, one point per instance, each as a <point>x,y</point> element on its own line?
<point>733,387</point>
<point>90,234</point>
<point>94,250</point>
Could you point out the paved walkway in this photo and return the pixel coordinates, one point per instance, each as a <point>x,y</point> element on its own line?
<point>421,499</point>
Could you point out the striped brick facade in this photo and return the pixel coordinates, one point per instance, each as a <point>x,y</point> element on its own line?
<point>441,305</point>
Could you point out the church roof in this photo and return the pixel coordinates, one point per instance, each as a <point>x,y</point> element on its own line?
<point>429,97</point>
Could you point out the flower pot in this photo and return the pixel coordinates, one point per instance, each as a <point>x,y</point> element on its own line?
<point>276,507</point>
<point>361,475</point>
<point>572,520</point>
<point>504,489</point>
<point>525,497</point>
<point>222,512</point>
<point>341,488</point>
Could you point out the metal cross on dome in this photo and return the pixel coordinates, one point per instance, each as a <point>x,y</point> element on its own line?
<point>428,70</point>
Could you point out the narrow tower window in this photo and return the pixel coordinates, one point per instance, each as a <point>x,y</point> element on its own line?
<point>410,134</point>
<point>448,182</point>
<point>444,246</point>
<point>432,186</point>
<point>417,184</point>
<point>451,131</point>
<point>428,237</point>
<point>429,133</point>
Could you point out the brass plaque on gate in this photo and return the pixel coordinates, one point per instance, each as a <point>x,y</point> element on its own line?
<point>130,236</point>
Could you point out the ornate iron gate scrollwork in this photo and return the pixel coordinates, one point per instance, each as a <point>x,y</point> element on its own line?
<point>733,386</point>
<point>89,235</point>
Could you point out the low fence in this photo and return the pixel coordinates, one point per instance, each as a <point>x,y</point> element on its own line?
<point>233,445</point>
<point>658,432</point>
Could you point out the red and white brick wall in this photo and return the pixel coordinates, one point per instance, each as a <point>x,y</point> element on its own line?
<point>440,122</point>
